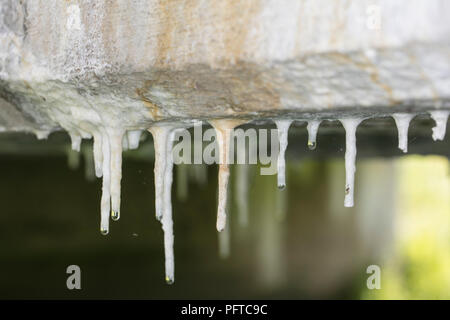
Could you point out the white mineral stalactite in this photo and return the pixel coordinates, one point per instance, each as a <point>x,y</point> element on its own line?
<point>125,142</point>
<point>163,138</point>
<point>73,157</point>
<point>223,138</point>
<point>224,130</point>
<point>76,141</point>
<point>350,126</point>
<point>105,203</point>
<point>116,140</point>
<point>133,137</point>
<point>160,135</point>
<point>402,121</point>
<point>312,127</point>
<point>167,221</point>
<point>283,128</point>
<point>98,154</point>
<point>440,117</point>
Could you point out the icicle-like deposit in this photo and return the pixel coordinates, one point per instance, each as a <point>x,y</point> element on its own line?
<point>402,121</point>
<point>133,137</point>
<point>224,130</point>
<point>283,128</point>
<point>76,141</point>
<point>350,126</point>
<point>98,154</point>
<point>105,203</point>
<point>160,135</point>
<point>163,139</point>
<point>312,127</point>
<point>440,117</point>
<point>116,137</point>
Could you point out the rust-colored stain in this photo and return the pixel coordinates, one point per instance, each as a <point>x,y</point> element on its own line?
<point>340,22</point>
<point>153,108</point>
<point>369,67</point>
<point>376,79</point>
<point>27,85</point>
<point>424,77</point>
<point>236,35</point>
<point>168,24</point>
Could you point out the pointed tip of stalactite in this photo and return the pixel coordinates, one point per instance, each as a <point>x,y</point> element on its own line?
<point>440,118</point>
<point>281,186</point>
<point>435,135</point>
<point>348,205</point>
<point>312,145</point>
<point>104,231</point>
<point>41,135</point>
<point>115,215</point>
<point>348,201</point>
<point>221,223</point>
<point>169,280</point>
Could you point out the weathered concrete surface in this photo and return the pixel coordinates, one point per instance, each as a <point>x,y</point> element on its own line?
<point>84,64</point>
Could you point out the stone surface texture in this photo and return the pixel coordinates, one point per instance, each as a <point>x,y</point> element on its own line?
<point>79,65</point>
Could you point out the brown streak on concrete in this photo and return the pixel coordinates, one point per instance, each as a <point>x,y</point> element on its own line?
<point>369,67</point>
<point>153,108</point>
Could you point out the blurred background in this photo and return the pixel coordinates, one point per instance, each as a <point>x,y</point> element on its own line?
<point>292,244</point>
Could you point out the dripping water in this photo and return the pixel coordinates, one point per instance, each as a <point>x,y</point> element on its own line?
<point>312,127</point>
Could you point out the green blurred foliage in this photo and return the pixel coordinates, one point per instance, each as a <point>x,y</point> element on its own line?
<point>419,266</point>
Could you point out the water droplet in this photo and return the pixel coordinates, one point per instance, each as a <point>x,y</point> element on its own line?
<point>312,127</point>
<point>281,186</point>
<point>115,215</point>
<point>169,280</point>
<point>312,145</point>
<point>104,231</point>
